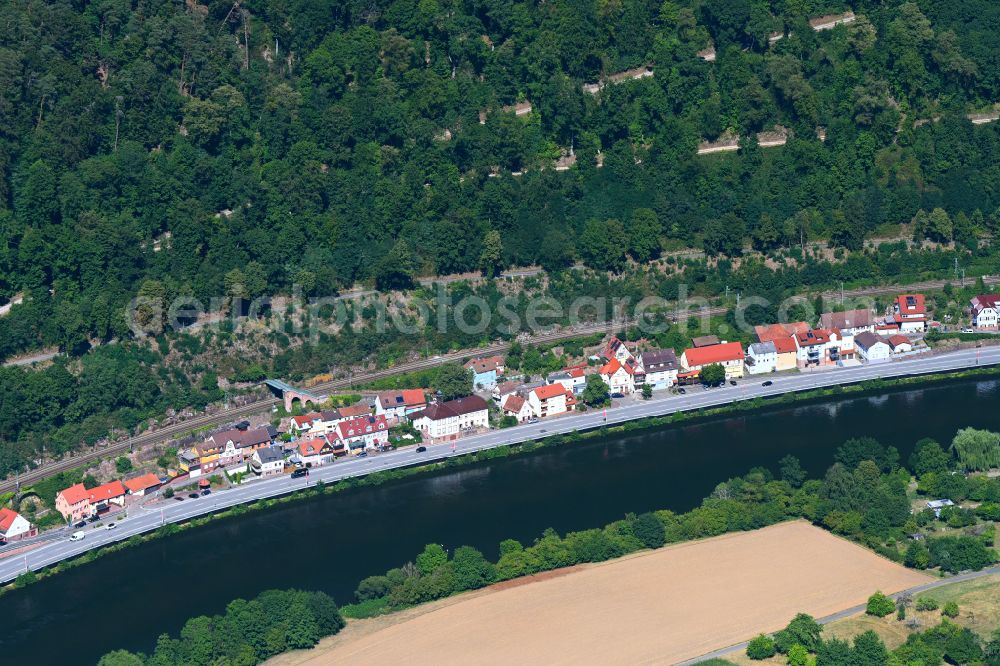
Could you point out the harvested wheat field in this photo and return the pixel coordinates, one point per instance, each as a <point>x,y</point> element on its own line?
<point>662,606</point>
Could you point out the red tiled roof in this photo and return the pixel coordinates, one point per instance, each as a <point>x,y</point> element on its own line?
<point>451,408</point>
<point>784,345</point>
<point>363,425</point>
<point>307,419</point>
<point>819,336</point>
<point>514,403</point>
<point>846,319</point>
<point>727,351</point>
<point>612,366</point>
<point>486,364</point>
<point>983,301</point>
<point>911,304</point>
<point>896,340</point>
<point>313,447</point>
<point>107,491</point>
<point>773,331</point>
<point>7,517</point>
<point>352,411</point>
<point>404,398</point>
<point>550,391</point>
<point>75,494</point>
<point>144,482</point>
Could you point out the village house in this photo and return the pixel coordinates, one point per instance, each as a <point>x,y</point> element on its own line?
<point>762,358</point>
<point>658,369</point>
<point>485,371</point>
<point>899,344</point>
<point>363,432</point>
<point>14,526</point>
<point>986,311</point>
<point>849,321</point>
<point>872,348</point>
<point>619,375</point>
<point>910,313</point>
<point>313,452</point>
<point>783,337</point>
<point>74,503</point>
<point>236,446</point>
<point>705,341</point>
<point>447,420</point>
<point>503,389</point>
<point>143,485</point>
<point>572,379</point>
<point>729,355</point>
<point>518,407</point>
<point>103,496</point>
<point>550,400</point>
<point>269,461</point>
<point>616,350</point>
<point>817,347</point>
<point>399,404</point>
<point>300,425</point>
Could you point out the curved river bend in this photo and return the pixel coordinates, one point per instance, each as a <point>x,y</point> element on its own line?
<point>126,599</point>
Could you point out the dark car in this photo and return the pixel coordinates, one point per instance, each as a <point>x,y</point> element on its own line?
<point>682,390</point>
<point>617,395</point>
<point>179,498</point>
<point>93,519</point>
<point>421,449</point>
<point>206,491</point>
<point>767,383</point>
<point>82,523</point>
<point>363,454</point>
<point>299,473</point>
<point>732,382</point>
<point>193,495</point>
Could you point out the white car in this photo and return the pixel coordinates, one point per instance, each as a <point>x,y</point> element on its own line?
<point>76,536</point>
<point>967,330</point>
<point>111,526</point>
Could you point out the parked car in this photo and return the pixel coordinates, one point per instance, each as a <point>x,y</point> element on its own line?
<point>299,473</point>
<point>179,498</point>
<point>192,495</point>
<point>421,449</point>
<point>110,526</point>
<point>732,382</point>
<point>967,330</point>
<point>363,454</point>
<point>533,420</point>
<point>682,390</point>
<point>767,383</point>
<point>76,536</point>
<point>93,519</point>
<point>617,395</point>
<point>82,523</point>
<point>206,491</point>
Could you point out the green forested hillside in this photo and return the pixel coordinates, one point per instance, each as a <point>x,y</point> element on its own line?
<point>158,145</point>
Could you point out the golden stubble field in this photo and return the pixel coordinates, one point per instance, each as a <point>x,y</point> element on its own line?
<point>662,606</point>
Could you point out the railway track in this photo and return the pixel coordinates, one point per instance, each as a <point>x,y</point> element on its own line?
<point>172,431</point>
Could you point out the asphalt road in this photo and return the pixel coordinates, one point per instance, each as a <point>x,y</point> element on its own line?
<point>172,431</point>
<point>144,519</point>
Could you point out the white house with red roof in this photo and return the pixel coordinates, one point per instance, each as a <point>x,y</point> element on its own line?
<point>616,350</point>
<point>900,344</point>
<point>363,432</point>
<point>399,404</point>
<point>300,425</point>
<point>819,347</point>
<point>103,496</point>
<point>619,375</point>
<point>550,400</point>
<point>573,380</point>
<point>729,355</point>
<point>143,485</point>
<point>872,348</point>
<point>314,452</point>
<point>518,407</point>
<point>14,526</point>
<point>986,311</point>
<point>910,313</point>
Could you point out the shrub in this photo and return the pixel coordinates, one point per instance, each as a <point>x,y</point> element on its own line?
<point>761,647</point>
<point>880,605</point>
<point>950,610</point>
<point>927,604</point>
<point>798,656</point>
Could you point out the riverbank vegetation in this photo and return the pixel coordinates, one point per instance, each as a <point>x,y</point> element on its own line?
<point>248,632</point>
<point>863,496</point>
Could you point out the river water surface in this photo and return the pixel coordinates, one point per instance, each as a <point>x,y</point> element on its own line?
<point>126,599</point>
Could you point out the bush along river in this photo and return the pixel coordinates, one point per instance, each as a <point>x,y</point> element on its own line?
<point>330,542</point>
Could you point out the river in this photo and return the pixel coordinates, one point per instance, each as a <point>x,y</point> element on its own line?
<point>126,599</point>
